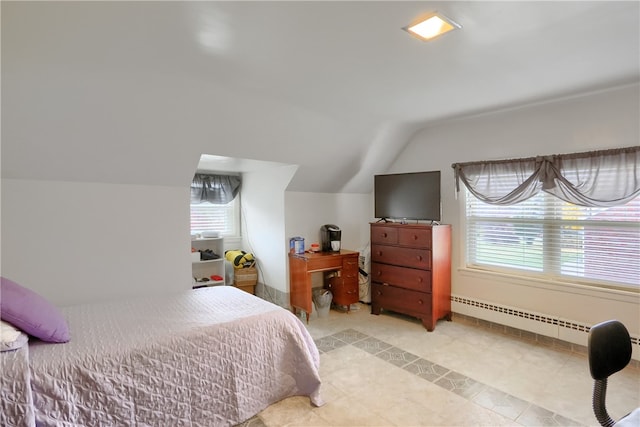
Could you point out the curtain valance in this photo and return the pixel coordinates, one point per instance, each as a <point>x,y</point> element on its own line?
<point>216,189</point>
<point>596,178</point>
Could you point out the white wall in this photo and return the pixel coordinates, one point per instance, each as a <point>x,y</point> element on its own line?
<point>307,212</point>
<point>84,242</point>
<point>598,121</point>
<point>263,216</point>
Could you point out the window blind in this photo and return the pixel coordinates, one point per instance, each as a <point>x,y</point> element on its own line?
<point>213,217</point>
<point>548,237</point>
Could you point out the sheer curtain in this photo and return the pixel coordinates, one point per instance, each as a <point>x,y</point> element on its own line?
<point>216,189</point>
<point>596,178</point>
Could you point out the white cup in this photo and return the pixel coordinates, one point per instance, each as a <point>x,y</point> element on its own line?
<point>335,245</point>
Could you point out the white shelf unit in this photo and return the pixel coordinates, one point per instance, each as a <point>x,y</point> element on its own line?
<point>208,268</point>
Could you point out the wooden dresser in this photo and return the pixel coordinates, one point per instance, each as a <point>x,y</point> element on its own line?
<point>411,270</point>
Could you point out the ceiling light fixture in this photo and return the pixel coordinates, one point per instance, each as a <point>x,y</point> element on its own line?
<point>431,26</point>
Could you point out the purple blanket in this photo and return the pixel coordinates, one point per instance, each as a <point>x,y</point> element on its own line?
<point>212,356</point>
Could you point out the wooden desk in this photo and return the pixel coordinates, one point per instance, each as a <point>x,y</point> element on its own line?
<point>344,287</point>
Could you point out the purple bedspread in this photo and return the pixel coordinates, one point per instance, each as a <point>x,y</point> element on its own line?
<point>212,356</point>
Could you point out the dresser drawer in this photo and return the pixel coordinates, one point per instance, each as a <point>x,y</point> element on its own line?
<point>402,300</point>
<point>415,237</point>
<point>384,235</point>
<point>409,257</point>
<point>408,278</point>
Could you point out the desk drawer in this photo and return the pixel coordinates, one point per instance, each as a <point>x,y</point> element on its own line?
<point>409,257</point>
<point>345,290</point>
<point>408,278</point>
<point>324,263</point>
<point>350,265</point>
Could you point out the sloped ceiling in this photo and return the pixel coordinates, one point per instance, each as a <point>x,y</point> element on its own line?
<point>135,92</point>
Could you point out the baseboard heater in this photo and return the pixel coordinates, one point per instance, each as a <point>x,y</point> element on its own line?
<point>542,325</point>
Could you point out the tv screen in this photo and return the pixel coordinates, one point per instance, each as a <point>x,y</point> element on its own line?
<point>414,196</point>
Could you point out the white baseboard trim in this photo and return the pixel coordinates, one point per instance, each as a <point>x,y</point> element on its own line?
<point>539,327</point>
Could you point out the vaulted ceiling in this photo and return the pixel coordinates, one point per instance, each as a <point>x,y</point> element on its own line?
<point>135,92</point>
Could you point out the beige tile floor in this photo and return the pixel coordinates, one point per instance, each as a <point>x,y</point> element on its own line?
<point>388,370</point>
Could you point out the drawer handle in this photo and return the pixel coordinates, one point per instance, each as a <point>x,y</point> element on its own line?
<point>419,257</point>
<point>419,279</point>
<point>379,253</point>
<point>379,273</point>
<point>420,302</point>
<point>415,237</point>
<point>384,235</point>
<point>378,293</point>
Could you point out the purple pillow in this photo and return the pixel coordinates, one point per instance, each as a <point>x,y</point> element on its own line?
<point>31,313</point>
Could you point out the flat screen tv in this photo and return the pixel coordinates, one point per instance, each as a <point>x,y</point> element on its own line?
<point>410,196</point>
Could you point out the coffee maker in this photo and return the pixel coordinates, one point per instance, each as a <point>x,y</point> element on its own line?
<point>330,235</point>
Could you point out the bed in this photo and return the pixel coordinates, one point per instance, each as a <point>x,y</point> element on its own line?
<point>207,357</point>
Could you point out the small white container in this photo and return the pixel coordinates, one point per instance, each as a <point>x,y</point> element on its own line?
<point>195,256</point>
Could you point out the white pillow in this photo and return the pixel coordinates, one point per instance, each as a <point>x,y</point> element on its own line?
<point>11,338</point>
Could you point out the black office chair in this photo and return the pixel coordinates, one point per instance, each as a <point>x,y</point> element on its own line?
<point>609,352</point>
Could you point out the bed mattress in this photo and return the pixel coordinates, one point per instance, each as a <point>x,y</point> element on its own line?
<point>207,357</point>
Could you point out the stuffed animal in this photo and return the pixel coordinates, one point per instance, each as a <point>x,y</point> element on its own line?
<point>239,259</point>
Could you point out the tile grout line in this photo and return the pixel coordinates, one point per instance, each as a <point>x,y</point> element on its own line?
<point>483,386</point>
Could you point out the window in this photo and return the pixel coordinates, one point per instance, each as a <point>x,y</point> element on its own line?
<point>550,238</point>
<point>225,218</point>
<point>215,205</point>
